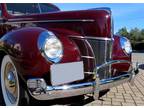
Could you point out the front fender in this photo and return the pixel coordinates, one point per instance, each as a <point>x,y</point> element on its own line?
<point>119,54</point>
<point>22,47</point>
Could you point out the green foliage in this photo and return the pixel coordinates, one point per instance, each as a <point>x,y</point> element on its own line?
<point>135,35</point>
<point>123,31</point>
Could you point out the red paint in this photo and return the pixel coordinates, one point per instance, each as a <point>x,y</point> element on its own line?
<point>27,56</point>
<point>101,26</point>
<point>119,54</point>
<point>21,41</point>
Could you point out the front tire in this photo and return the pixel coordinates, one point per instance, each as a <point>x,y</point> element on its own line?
<point>11,93</point>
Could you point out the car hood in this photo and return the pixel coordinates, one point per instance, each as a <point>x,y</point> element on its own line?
<point>94,22</point>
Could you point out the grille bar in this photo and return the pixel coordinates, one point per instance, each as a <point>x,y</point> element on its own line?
<point>102,51</point>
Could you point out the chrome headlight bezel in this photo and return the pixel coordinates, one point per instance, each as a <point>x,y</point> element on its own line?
<point>125,45</point>
<point>44,38</point>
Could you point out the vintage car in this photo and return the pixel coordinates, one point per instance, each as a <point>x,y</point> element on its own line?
<point>46,53</point>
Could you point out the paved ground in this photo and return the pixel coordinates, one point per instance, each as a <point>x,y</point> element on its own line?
<point>126,94</point>
<point>123,95</point>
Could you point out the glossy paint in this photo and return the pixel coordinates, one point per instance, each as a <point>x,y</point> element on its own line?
<point>99,24</point>
<point>22,46</point>
<point>21,34</point>
<point>119,54</point>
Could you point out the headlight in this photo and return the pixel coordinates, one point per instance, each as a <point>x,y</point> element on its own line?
<point>50,46</point>
<point>126,45</point>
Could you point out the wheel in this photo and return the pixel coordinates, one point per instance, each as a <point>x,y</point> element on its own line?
<point>11,93</point>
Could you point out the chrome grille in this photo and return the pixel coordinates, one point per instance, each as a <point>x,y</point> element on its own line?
<point>102,50</point>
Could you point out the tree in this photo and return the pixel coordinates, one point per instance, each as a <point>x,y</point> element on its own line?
<point>135,35</point>
<point>123,32</point>
<point>142,32</point>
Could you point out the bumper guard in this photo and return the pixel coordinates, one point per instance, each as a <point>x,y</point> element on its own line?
<point>41,91</point>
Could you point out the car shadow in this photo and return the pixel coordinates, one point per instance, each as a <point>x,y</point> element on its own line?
<point>70,101</point>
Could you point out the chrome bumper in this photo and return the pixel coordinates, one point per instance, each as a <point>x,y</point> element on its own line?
<point>40,91</point>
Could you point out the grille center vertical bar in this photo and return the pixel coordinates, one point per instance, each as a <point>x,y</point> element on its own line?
<point>102,51</point>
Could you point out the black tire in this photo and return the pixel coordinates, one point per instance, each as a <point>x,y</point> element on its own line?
<point>11,91</point>
<point>103,92</point>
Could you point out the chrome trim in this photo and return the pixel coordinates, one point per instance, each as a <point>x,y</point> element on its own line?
<point>49,21</point>
<point>41,43</point>
<point>53,92</point>
<point>96,87</point>
<point>91,37</point>
<point>39,8</point>
<point>90,73</point>
<point>11,80</point>
<point>122,40</point>
<point>101,51</point>
<point>99,38</point>
<point>102,8</point>
<point>97,77</point>
<point>88,57</point>
<point>113,62</point>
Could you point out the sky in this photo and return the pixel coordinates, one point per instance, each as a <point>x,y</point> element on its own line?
<point>129,15</point>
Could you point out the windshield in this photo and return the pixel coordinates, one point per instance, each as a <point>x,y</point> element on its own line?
<point>30,8</point>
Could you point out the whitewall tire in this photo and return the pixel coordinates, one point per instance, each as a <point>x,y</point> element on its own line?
<point>12,92</point>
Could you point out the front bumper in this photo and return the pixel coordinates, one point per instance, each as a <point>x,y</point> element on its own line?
<point>40,91</point>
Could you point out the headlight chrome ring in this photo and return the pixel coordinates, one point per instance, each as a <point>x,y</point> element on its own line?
<point>126,45</point>
<point>50,46</point>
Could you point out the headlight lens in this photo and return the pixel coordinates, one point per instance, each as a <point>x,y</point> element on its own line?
<point>50,46</point>
<point>53,48</point>
<point>126,45</point>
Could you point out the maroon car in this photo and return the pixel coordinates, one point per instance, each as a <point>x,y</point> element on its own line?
<point>46,53</point>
